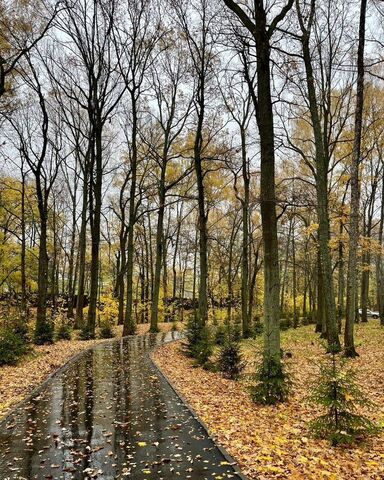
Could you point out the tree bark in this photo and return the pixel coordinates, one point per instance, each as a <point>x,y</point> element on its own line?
<point>245,311</point>
<point>322,163</point>
<point>349,341</point>
<point>23,251</point>
<point>71,260</point>
<point>79,319</point>
<point>96,191</point>
<point>264,116</point>
<point>42,283</point>
<point>129,322</point>
<point>159,252</point>
<point>379,261</point>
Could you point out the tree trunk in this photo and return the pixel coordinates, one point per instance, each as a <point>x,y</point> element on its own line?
<point>229,280</point>
<point>202,311</point>
<point>23,252</point>
<point>341,282</point>
<point>322,163</point>
<point>245,241</point>
<point>379,261</point>
<point>129,322</point>
<point>95,230</point>
<point>349,342</point>
<point>284,277</point>
<point>272,350</point>
<point>71,260</point>
<point>252,285</point>
<point>121,275</point>
<point>159,254</point>
<point>365,263</point>
<point>42,329</point>
<point>294,280</point>
<point>79,319</point>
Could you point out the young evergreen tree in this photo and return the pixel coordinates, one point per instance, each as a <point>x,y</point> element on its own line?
<point>230,361</point>
<point>337,391</point>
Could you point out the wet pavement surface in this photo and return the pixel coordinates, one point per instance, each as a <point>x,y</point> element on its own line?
<point>109,415</point>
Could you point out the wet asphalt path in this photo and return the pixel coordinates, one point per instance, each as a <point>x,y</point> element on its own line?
<point>109,415</point>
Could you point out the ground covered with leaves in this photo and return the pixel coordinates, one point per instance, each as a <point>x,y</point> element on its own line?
<point>275,442</point>
<point>18,381</point>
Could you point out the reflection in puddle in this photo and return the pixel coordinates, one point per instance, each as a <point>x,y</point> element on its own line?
<point>109,416</point>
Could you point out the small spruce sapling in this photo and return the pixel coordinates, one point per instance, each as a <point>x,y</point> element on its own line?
<point>337,391</point>
<point>44,334</point>
<point>273,384</point>
<point>199,342</point>
<point>12,347</point>
<point>221,334</point>
<point>257,328</point>
<point>106,330</point>
<point>64,332</point>
<point>230,361</point>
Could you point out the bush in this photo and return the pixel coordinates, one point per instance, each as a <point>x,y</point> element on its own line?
<point>273,383</point>
<point>44,333</point>
<point>285,324</point>
<point>106,330</point>
<point>193,333</point>
<point>64,332</point>
<point>338,393</point>
<point>310,319</point>
<point>236,333</point>
<point>12,347</point>
<point>21,330</point>
<point>204,349</point>
<point>230,361</point>
<point>257,328</point>
<point>108,309</point>
<point>199,342</point>
<point>221,334</point>
<point>86,333</point>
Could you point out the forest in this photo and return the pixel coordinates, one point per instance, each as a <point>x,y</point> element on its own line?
<point>202,183</point>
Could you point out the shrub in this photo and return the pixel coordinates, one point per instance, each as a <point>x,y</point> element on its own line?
<point>203,349</point>
<point>199,342</point>
<point>64,332</point>
<point>272,383</point>
<point>230,361</point>
<point>108,309</point>
<point>86,333</point>
<point>11,347</point>
<point>338,393</point>
<point>285,324</point>
<point>21,330</point>
<point>257,328</point>
<point>193,333</point>
<point>310,319</point>
<point>221,334</point>
<point>44,333</point>
<point>106,330</point>
<point>236,333</point>
<point>174,326</point>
